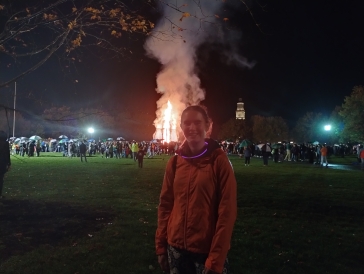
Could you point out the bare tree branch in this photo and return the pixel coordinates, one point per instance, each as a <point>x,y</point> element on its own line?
<point>32,35</point>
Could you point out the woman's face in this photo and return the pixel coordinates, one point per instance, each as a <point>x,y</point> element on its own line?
<point>194,127</point>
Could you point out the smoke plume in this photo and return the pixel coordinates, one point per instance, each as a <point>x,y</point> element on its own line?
<point>174,43</point>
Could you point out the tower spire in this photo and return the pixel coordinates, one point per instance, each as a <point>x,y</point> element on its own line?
<point>240,112</point>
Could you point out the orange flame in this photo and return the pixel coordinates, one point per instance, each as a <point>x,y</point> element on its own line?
<point>166,125</point>
<point>167,114</point>
<point>169,124</point>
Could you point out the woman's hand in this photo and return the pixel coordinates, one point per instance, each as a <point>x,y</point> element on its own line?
<point>163,262</point>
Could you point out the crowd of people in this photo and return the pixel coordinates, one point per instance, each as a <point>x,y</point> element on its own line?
<point>286,151</point>
<point>108,149</point>
<point>80,148</point>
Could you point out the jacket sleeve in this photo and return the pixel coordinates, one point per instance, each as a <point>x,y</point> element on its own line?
<point>227,211</point>
<point>166,201</point>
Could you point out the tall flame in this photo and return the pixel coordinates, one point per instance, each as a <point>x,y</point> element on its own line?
<point>166,128</point>
<point>167,116</point>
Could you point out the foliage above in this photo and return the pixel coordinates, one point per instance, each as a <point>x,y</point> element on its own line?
<point>309,127</point>
<point>269,129</point>
<point>55,121</point>
<point>31,34</point>
<point>352,112</point>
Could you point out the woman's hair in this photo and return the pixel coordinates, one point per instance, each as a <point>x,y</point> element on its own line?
<point>203,111</point>
<point>200,109</point>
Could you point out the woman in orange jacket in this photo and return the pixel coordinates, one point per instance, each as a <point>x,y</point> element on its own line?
<point>198,206</point>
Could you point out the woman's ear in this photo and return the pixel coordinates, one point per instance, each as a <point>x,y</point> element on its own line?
<point>207,126</point>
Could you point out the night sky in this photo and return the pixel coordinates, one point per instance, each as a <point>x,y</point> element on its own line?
<point>308,54</point>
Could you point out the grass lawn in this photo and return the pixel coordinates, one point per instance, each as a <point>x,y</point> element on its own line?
<point>64,216</point>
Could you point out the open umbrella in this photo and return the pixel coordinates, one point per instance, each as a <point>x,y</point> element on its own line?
<point>35,138</point>
<point>63,137</point>
<point>63,141</point>
<point>316,143</point>
<point>17,141</point>
<point>91,140</point>
<point>53,140</point>
<point>120,138</point>
<point>24,138</point>
<point>265,146</point>
<point>245,143</point>
<point>110,139</point>
<point>12,138</point>
<point>260,146</point>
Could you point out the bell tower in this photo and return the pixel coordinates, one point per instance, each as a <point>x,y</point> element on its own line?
<point>240,112</point>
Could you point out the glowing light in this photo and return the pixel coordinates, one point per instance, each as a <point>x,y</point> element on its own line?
<point>166,125</point>
<point>90,130</point>
<point>327,127</point>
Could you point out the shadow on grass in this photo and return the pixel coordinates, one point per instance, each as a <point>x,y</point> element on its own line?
<point>25,225</point>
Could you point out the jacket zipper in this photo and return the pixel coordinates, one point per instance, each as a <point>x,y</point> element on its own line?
<point>187,205</point>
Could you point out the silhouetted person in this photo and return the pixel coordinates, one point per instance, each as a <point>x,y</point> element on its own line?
<point>140,156</point>
<point>83,150</point>
<point>4,159</point>
<point>31,149</point>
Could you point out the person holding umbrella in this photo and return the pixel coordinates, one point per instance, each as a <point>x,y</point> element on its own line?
<point>5,162</point>
<point>31,148</point>
<point>38,148</point>
<point>247,155</point>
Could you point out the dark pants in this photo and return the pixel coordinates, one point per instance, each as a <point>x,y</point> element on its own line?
<point>83,155</point>
<point>185,262</point>
<point>247,160</point>
<point>276,158</point>
<point>310,158</point>
<point>265,158</point>
<point>140,162</point>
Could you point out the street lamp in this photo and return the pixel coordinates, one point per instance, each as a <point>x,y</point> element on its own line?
<point>327,127</point>
<point>91,131</point>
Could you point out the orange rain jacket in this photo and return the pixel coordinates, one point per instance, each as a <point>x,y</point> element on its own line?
<point>198,206</point>
<point>324,151</point>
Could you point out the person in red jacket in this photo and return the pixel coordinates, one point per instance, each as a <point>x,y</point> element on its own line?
<point>361,156</point>
<point>198,205</point>
<point>323,151</point>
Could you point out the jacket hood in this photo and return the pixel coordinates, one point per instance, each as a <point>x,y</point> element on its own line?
<point>185,151</point>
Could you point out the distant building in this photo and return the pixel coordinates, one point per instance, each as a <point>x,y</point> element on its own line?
<point>240,112</point>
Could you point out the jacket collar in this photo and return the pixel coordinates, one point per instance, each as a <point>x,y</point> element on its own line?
<point>185,152</point>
